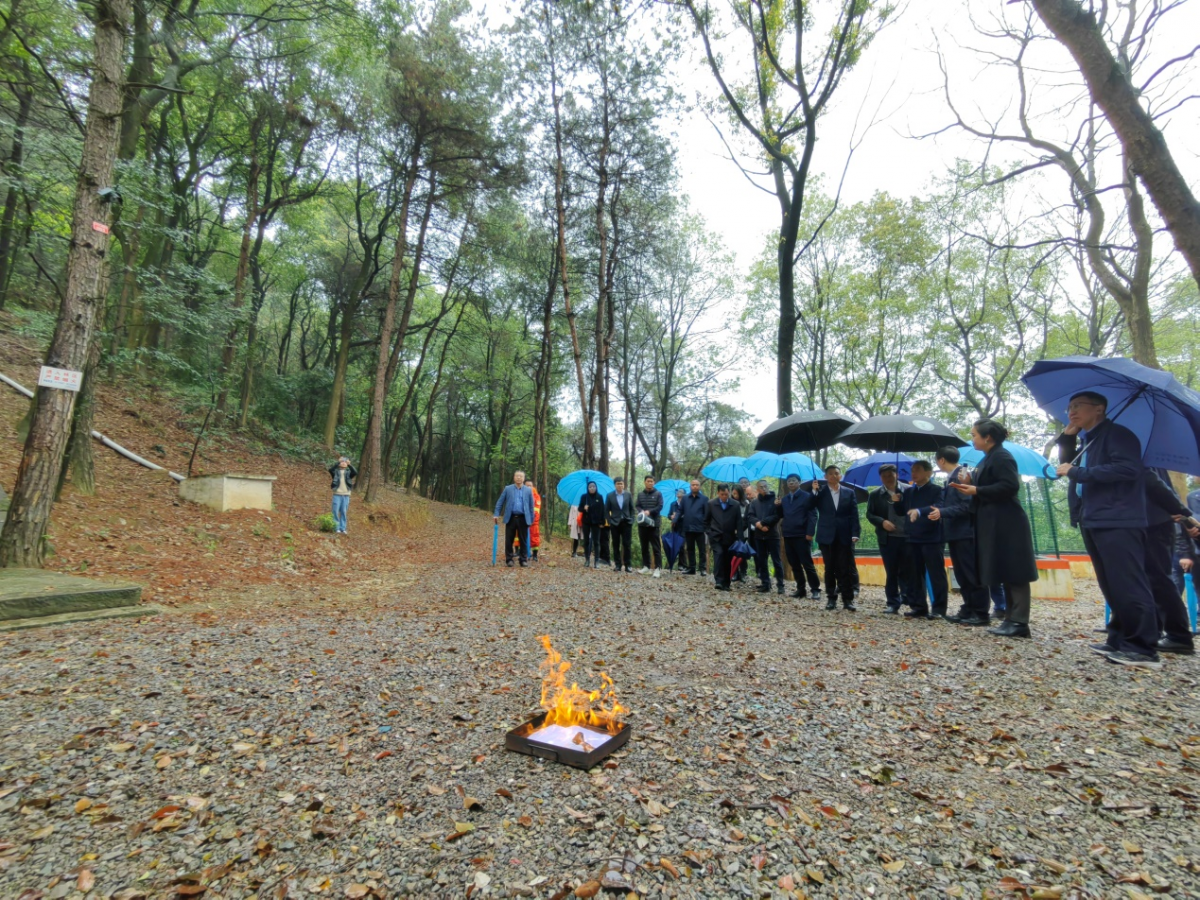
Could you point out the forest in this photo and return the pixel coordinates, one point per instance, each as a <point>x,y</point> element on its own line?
<point>449,240</point>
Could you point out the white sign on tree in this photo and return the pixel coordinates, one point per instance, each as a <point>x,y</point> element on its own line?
<point>64,379</point>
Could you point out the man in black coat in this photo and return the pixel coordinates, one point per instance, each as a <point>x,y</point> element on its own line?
<point>763,517</point>
<point>1163,509</point>
<point>838,530</point>
<point>925,543</point>
<point>591,509</point>
<point>954,512</point>
<point>618,506</point>
<point>883,511</point>
<point>649,504</point>
<point>693,510</point>
<point>1107,498</point>
<point>799,525</point>
<point>722,522</point>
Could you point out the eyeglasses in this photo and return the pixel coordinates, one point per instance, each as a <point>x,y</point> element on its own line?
<point>1074,407</point>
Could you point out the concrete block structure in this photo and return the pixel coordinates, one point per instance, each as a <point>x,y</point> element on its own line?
<point>226,492</point>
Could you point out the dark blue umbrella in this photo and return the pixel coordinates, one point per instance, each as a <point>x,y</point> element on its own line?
<point>865,471</point>
<point>1164,414</point>
<point>672,543</point>
<point>573,486</point>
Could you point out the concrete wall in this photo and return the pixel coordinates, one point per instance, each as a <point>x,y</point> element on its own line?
<point>226,492</point>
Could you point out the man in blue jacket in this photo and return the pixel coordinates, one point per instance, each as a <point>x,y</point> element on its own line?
<point>919,502</point>
<point>954,512</point>
<point>838,530</point>
<point>799,526</point>
<point>1107,498</point>
<point>517,502</point>
<point>693,510</point>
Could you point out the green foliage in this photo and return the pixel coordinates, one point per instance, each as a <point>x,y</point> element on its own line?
<point>325,522</point>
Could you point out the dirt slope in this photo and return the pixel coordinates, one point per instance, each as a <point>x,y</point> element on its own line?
<point>137,528</point>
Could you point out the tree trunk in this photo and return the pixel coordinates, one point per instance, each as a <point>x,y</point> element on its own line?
<point>81,461</point>
<point>13,167</point>
<point>339,381</point>
<point>21,542</point>
<point>1146,148</point>
<point>243,270</point>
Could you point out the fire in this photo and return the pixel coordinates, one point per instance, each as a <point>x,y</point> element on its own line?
<point>572,705</point>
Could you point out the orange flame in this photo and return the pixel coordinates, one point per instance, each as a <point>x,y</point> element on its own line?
<point>572,705</point>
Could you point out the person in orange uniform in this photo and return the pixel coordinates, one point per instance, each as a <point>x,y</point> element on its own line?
<point>535,533</point>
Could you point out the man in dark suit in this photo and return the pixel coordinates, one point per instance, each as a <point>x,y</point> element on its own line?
<point>517,502</point>
<point>618,506</point>
<point>1163,512</point>
<point>883,511</point>
<point>925,543</point>
<point>838,530</point>
<point>954,512</point>
<point>1107,498</point>
<point>693,511</point>
<point>722,521</point>
<point>799,525</point>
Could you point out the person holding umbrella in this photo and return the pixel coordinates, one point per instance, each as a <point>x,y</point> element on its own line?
<point>763,517</point>
<point>722,521</point>
<point>1003,540</point>
<point>1107,499</point>
<point>799,526</point>
<point>591,510</point>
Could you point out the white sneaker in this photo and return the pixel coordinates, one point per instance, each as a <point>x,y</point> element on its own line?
<point>643,571</point>
<point>658,573</point>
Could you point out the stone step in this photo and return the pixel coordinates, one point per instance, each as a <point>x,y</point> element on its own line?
<point>30,593</point>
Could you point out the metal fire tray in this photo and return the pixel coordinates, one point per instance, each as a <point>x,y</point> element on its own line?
<point>520,740</point>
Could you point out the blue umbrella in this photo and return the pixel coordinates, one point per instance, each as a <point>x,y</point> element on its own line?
<point>727,468</point>
<point>672,543</point>
<point>865,471</point>
<point>667,488</point>
<point>764,464</point>
<point>1164,414</point>
<point>1029,462</point>
<point>573,486</point>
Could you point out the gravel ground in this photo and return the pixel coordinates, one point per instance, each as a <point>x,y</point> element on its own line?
<point>291,744</point>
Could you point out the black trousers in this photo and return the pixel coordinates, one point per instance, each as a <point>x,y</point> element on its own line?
<point>591,540</point>
<point>650,541</point>
<point>694,547</point>
<point>768,551</point>
<point>838,558</point>
<point>722,562</point>
<point>1019,600</point>
<point>897,570</point>
<point>1168,601</point>
<point>928,559</point>
<point>1119,558</point>
<point>515,527</point>
<point>622,544</point>
<point>976,596</point>
<point>799,557</point>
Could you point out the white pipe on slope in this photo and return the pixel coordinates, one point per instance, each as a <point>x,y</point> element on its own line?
<point>111,444</point>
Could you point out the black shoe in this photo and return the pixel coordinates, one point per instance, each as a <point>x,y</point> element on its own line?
<point>816,593</point>
<point>779,589</point>
<point>1166,645</point>
<point>509,563</point>
<point>763,589</point>
<point>975,621</point>
<point>629,569</point>
<point>688,572</point>
<point>891,610</point>
<point>937,615</point>
<point>958,616</point>
<point>524,564</point>
<point>850,607</point>
<point>703,574</point>
<point>917,614</point>
<point>856,592</point>
<point>798,595</point>
<point>1138,660</point>
<point>1102,649</point>
<point>1010,628</point>
<point>832,604</point>
<point>723,587</point>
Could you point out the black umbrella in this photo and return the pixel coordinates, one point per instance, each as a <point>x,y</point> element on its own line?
<point>813,429</point>
<point>900,434</point>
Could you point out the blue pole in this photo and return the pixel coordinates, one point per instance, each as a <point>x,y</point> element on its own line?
<point>495,540</point>
<point>1107,613</point>
<point>1190,583</point>
<point>929,592</point>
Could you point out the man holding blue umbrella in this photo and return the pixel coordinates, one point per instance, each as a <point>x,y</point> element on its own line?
<point>1107,498</point>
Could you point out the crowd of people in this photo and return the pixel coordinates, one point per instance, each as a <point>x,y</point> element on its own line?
<point>1133,524</point>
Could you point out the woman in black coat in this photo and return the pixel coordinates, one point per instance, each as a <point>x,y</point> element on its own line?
<point>1003,541</point>
<point>591,507</point>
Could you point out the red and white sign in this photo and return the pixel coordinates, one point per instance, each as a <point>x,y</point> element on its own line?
<point>100,227</point>
<point>65,379</point>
